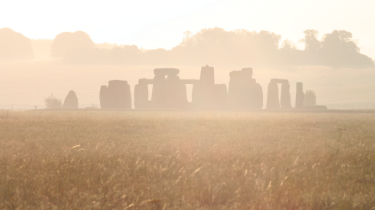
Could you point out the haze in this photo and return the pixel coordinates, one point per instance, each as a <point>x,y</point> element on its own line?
<point>160,24</point>
<point>325,44</point>
<point>209,104</point>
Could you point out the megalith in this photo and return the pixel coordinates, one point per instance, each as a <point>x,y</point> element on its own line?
<point>257,97</point>
<point>119,94</point>
<point>299,95</point>
<point>273,96</point>
<point>243,91</point>
<point>206,87</point>
<point>116,96</point>
<point>71,101</point>
<point>285,101</point>
<point>175,93</point>
<point>158,91</point>
<point>104,97</point>
<point>141,95</point>
<point>220,96</point>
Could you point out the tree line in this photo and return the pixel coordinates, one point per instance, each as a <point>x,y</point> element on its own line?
<point>213,45</point>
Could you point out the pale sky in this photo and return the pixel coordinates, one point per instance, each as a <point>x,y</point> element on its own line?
<point>160,24</point>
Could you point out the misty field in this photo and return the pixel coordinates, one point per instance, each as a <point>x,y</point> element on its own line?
<point>190,160</point>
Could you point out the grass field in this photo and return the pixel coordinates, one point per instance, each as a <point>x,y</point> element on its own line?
<point>191,160</point>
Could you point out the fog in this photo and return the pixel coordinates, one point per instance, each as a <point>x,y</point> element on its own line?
<point>332,66</point>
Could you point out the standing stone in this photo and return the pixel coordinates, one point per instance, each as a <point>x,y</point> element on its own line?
<point>207,76</point>
<point>257,97</point>
<point>206,87</point>
<point>119,94</point>
<point>113,94</point>
<point>285,100</point>
<point>241,89</point>
<point>273,96</point>
<point>141,96</point>
<point>124,98</point>
<point>158,91</point>
<point>175,93</point>
<point>195,96</point>
<point>104,97</point>
<point>248,88</point>
<point>71,101</point>
<point>220,96</point>
<point>299,95</point>
<point>168,92</point>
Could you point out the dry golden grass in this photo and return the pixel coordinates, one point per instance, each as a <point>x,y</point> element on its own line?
<point>191,160</point>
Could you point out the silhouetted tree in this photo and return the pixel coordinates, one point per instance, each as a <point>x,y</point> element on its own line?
<point>14,46</point>
<point>339,49</point>
<point>311,41</point>
<point>52,103</point>
<point>335,49</point>
<point>67,41</point>
<point>289,54</point>
<point>309,98</point>
<point>240,47</point>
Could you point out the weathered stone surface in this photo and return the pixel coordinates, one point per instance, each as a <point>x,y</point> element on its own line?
<point>104,97</point>
<point>145,81</point>
<point>158,92</point>
<point>141,96</point>
<point>285,101</point>
<point>206,87</point>
<point>300,96</point>
<point>242,88</point>
<point>257,97</point>
<point>207,77</point>
<point>168,91</point>
<point>71,101</point>
<point>175,93</point>
<point>273,96</point>
<point>280,81</point>
<point>119,94</point>
<point>125,99</point>
<point>247,72</point>
<point>195,96</point>
<point>220,96</point>
<point>273,101</point>
<point>116,96</point>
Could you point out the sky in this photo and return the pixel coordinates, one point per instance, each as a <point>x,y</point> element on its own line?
<point>151,24</point>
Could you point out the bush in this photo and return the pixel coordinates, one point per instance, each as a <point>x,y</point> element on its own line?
<point>310,98</point>
<point>52,103</point>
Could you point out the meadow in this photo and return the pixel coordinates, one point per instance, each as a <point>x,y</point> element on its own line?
<point>186,160</point>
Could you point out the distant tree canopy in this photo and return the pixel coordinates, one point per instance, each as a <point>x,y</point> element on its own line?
<point>214,46</point>
<point>217,46</point>
<point>310,98</point>
<point>66,41</point>
<point>14,46</point>
<point>336,48</point>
